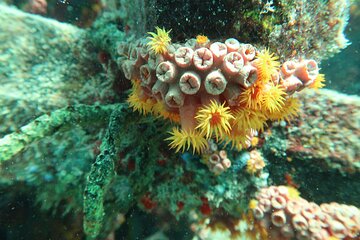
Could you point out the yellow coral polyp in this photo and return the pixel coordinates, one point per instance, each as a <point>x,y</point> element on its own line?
<point>183,140</point>
<point>272,98</point>
<point>288,111</point>
<point>319,82</point>
<point>253,204</point>
<point>214,119</point>
<point>246,118</point>
<point>160,110</point>
<point>267,64</point>
<point>251,97</point>
<point>159,41</point>
<point>237,139</point>
<point>143,106</point>
<point>293,192</point>
<point>137,103</point>
<point>202,39</point>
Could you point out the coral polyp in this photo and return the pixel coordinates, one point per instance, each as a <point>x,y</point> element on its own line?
<point>142,104</point>
<point>272,98</point>
<point>247,118</point>
<point>252,97</point>
<point>214,119</point>
<point>183,140</point>
<point>267,64</point>
<point>287,112</point>
<point>319,82</point>
<point>219,90</point>
<point>159,41</point>
<point>202,39</point>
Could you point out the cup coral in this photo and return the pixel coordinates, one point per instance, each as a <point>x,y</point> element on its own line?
<point>256,163</point>
<point>216,90</point>
<point>159,41</point>
<point>266,64</point>
<point>289,216</point>
<point>183,140</point>
<point>272,97</point>
<point>318,82</point>
<point>214,119</point>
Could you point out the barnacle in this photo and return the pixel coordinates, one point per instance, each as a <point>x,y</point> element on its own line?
<point>214,119</point>
<point>159,41</point>
<point>272,98</point>
<point>266,64</point>
<point>183,140</point>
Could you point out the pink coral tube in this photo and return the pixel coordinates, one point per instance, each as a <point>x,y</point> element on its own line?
<point>190,83</point>
<point>226,163</point>
<point>232,44</point>
<point>288,68</point>
<point>307,70</point>
<point>248,52</point>
<point>232,93</point>
<point>278,218</point>
<point>174,97</point>
<point>291,84</point>
<point>214,159</point>
<point>145,74</point>
<point>187,113</point>
<point>233,63</point>
<point>128,69</point>
<point>219,51</point>
<point>136,57</point>
<point>248,76</point>
<point>184,56</point>
<point>278,202</point>
<point>159,90</point>
<point>166,72</point>
<point>203,59</point>
<point>300,223</point>
<point>215,83</point>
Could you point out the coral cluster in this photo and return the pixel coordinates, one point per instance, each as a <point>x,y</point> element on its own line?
<point>285,215</point>
<point>217,161</point>
<point>222,90</point>
<point>256,163</point>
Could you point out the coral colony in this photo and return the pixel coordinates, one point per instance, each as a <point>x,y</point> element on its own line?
<point>222,90</point>
<point>225,93</point>
<point>287,215</point>
<point>205,108</point>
